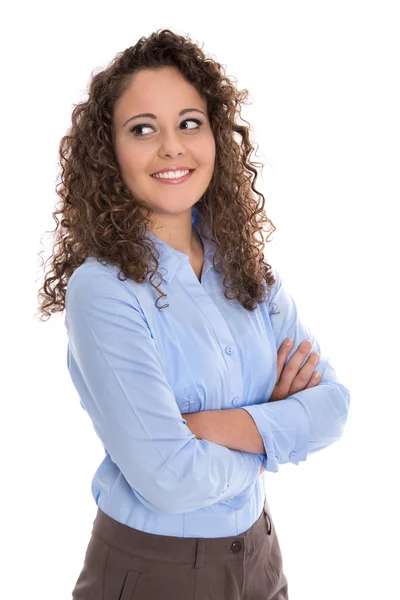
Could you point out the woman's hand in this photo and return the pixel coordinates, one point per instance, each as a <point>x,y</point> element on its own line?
<point>290,380</point>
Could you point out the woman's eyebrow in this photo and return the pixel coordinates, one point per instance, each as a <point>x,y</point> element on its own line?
<point>151,116</point>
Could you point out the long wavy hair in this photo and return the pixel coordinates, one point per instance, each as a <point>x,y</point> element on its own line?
<point>101,217</point>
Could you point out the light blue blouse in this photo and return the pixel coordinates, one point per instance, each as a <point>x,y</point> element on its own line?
<point>136,369</point>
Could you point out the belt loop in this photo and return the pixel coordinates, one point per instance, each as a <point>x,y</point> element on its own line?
<point>266,508</point>
<point>200,547</point>
<point>269,526</point>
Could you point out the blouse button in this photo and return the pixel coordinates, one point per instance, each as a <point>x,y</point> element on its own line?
<point>228,350</point>
<point>235,401</point>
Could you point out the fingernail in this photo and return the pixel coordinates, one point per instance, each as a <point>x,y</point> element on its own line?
<point>316,375</point>
<point>288,342</point>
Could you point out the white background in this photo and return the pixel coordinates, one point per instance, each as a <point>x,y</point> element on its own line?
<point>324,109</point>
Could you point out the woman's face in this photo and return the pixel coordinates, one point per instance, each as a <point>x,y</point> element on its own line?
<point>144,145</point>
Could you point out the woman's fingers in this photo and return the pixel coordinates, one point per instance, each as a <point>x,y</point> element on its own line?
<point>315,379</point>
<point>290,378</point>
<point>283,353</point>
<point>305,377</point>
<point>290,371</point>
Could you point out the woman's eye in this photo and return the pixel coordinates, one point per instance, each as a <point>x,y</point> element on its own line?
<point>136,127</point>
<point>193,121</point>
<point>133,130</point>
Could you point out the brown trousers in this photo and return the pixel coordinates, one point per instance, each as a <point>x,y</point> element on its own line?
<point>122,563</point>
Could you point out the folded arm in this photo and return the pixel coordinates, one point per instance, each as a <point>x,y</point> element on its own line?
<point>287,430</point>
<point>233,428</point>
<point>115,366</point>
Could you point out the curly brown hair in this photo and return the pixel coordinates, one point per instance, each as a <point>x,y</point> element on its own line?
<point>101,217</point>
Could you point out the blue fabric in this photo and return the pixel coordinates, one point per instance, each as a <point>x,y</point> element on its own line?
<point>136,369</point>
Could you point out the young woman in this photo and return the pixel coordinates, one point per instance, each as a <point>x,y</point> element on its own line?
<point>194,399</point>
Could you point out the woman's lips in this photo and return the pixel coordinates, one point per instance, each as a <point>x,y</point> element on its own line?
<point>173,181</point>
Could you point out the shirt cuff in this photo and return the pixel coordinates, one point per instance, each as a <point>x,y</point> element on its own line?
<point>284,426</point>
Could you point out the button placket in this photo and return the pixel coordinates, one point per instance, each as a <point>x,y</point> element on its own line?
<point>237,373</point>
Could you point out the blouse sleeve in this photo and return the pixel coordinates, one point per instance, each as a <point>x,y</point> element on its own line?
<point>117,371</point>
<point>311,419</point>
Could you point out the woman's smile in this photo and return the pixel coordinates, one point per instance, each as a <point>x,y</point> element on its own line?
<point>173,180</point>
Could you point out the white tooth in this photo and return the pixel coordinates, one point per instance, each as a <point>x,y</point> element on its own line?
<point>171,174</point>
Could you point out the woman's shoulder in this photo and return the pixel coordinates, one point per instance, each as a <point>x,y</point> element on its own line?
<point>95,276</point>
